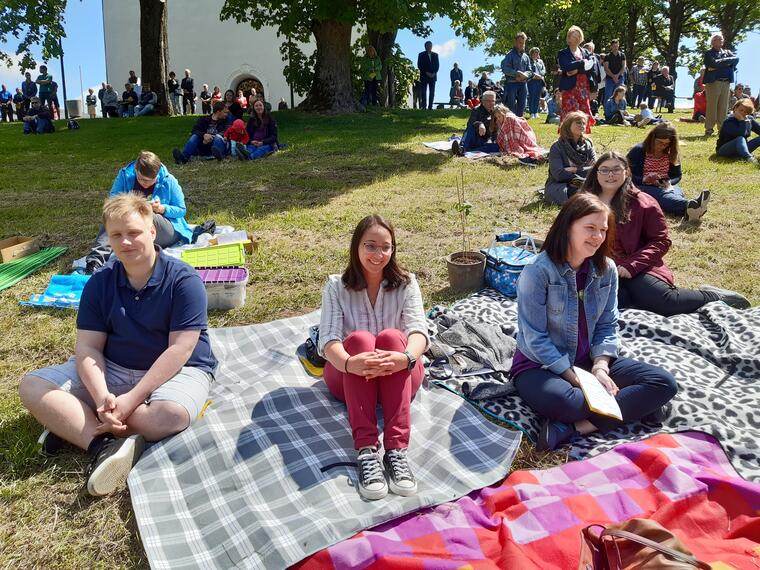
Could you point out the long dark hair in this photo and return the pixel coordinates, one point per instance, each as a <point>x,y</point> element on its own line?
<point>621,202</point>
<point>557,243</point>
<point>265,117</point>
<point>393,273</point>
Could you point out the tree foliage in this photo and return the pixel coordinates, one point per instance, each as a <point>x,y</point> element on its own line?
<point>330,23</point>
<point>397,67</point>
<point>734,19</point>
<point>28,24</point>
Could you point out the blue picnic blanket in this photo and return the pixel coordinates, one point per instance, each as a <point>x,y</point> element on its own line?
<point>63,292</point>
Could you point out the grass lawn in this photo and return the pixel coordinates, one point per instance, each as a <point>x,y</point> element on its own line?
<point>302,203</point>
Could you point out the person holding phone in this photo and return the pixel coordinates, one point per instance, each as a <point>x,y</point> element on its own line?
<point>568,317</point>
<point>656,170</point>
<point>148,177</point>
<point>372,332</point>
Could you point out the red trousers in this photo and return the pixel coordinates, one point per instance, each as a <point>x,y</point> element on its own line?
<point>394,392</point>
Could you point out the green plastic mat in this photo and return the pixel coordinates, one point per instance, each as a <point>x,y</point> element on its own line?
<point>14,271</point>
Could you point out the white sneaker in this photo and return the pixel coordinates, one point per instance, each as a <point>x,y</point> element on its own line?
<point>402,482</point>
<point>372,483</point>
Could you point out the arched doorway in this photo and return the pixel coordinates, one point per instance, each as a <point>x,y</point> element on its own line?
<point>245,85</point>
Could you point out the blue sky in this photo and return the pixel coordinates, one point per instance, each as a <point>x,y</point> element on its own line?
<point>83,47</point>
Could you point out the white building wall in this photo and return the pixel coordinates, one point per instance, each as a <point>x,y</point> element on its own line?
<point>217,53</point>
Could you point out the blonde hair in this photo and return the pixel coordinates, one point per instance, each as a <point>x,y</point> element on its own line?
<point>500,109</point>
<point>576,30</point>
<point>570,118</point>
<point>125,204</point>
<point>148,164</point>
<point>618,89</point>
<point>745,104</point>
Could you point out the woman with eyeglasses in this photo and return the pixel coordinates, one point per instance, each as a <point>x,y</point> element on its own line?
<point>656,169</point>
<point>372,333</point>
<point>641,242</point>
<point>567,318</point>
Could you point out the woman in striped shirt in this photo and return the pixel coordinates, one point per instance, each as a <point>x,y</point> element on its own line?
<point>656,169</point>
<point>372,333</point>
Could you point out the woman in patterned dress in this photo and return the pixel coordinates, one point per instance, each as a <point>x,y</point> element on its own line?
<point>575,63</point>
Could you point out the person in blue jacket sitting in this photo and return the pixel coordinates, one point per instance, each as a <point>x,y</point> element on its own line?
<point>615,108</point>
<point>733,139</point>
<point>567,319</point>
<point>147,176</point>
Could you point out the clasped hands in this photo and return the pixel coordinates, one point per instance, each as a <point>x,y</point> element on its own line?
<point>377,363</point>
<point>114,412</point>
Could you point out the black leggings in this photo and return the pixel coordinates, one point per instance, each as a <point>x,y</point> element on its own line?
<point>652,294</point>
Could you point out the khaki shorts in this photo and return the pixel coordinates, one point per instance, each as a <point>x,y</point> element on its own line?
<point>189,387</point>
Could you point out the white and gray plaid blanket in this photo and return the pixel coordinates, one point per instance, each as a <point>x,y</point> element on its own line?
<point>265,478</point>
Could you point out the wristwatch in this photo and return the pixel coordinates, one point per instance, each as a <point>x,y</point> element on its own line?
<point>412,360</point>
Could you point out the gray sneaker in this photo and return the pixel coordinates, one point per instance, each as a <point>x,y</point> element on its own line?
<point>372,483</point>
<point>730,298</point>
<point>402,482</point>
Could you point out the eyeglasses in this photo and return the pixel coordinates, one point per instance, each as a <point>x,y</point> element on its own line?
<point>614,171</point>
<point>372,249</point>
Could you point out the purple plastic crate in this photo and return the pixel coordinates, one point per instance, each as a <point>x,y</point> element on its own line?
<point>223,274</point>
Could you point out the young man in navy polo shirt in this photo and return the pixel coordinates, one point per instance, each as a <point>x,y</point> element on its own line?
<point>143,363</point>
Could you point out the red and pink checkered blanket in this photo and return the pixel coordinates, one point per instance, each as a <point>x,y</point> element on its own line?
<point>533,519</point>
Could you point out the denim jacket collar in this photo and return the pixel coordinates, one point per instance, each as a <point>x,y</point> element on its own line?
<point>592,273</point>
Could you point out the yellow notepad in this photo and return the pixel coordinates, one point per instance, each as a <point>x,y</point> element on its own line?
<point>599,400</point>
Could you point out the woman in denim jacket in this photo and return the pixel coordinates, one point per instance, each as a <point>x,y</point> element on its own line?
<point>567,316</point>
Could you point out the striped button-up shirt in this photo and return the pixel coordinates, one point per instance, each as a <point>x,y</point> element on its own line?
<point>345,311</point>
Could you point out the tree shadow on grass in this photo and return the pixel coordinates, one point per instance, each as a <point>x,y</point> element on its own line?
<point>327,156</point>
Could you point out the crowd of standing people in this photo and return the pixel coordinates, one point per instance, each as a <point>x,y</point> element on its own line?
<point>595,83</point>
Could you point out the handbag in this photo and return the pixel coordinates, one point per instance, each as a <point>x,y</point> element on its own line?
<point>504,263</point>
<point>639,544</point>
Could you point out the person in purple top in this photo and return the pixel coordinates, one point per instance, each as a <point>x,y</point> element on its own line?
<point>567,319</point>
<point>262,131</point>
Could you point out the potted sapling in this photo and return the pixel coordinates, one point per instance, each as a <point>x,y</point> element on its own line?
<point>465,267</point>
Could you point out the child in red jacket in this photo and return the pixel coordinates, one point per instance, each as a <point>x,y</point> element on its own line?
<point>237,137</point>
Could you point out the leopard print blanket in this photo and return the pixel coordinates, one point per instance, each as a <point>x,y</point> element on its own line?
<point>714,355</point>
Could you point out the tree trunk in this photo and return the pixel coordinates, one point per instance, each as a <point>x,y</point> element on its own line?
<point>331,87</point>
<point>383,43</point>
<point>727,19</point>
<point>153,50</point>
<point>631,32</point>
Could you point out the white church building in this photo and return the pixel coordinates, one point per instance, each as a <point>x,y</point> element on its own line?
<point>225,54</point>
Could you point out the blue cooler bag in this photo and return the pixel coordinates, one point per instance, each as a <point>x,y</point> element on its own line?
<point>504,263</point>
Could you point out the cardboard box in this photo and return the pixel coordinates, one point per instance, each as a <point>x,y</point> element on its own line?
<point>17,247</point>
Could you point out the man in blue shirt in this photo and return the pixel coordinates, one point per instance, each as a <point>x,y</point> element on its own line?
<point>517,69</point>
<point>29,89</point>
<point>143,363</point>
<point>6,105</point>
